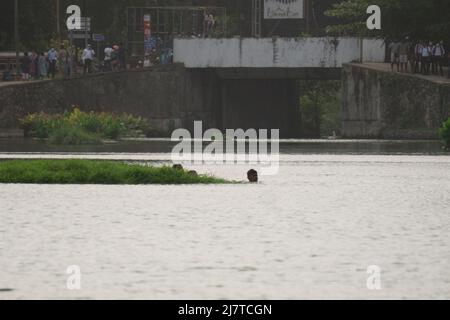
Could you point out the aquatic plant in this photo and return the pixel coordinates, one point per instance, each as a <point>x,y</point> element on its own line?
<point>96,172</point>
<point>78,127</point>
<point>444,132</point>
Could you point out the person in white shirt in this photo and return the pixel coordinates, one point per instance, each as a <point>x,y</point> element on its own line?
<point>108,58</point>
<point>439,58</point>
<point>147,62</point>
<point>426,58</point>
<point>52,57</point>
<point>87,57</point>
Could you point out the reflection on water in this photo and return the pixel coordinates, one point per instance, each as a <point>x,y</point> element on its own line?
<point>286,147</point>
<point>309,232</point>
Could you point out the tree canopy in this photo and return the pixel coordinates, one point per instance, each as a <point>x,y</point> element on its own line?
<point>37,18</point>
<point>418,19</point>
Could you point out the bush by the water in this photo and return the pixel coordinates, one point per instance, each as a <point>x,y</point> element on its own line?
<point>444,131</point>
<point>78,127</point>
<point>95,172</point>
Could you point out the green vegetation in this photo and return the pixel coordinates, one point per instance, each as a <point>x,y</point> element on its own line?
<point>419,19</point>
<point>38,19</point>
<point>444,131</point>
<point>79,127</point>
<point>95,172</point>
<point>320,108</point>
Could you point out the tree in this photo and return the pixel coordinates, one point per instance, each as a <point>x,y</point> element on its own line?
<point>36,23</point>
<point>419,19</point>
<point>320,105</point>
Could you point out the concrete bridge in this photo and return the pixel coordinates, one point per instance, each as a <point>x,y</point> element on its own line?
<point>256,78</point>
<point>226,83</point>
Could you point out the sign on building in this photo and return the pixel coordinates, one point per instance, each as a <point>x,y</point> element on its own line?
<point>84,36</point>
<point>98,37</point>
<point>283,9</point>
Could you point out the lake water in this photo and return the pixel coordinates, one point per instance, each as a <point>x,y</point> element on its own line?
<point>334,209</point>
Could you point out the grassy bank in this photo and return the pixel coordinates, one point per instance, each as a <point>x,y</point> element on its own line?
<point>95,172</point>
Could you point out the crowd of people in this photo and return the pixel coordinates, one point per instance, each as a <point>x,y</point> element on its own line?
<point>69,60</point>
<point>425,57</point>
<point>421,57</point>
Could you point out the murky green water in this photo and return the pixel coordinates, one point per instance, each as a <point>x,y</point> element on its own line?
<point>286,147</point>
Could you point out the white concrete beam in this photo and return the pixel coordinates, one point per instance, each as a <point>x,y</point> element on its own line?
<point>275,53</point>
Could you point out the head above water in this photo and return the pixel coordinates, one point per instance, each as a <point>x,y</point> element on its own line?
<point>252,176</point>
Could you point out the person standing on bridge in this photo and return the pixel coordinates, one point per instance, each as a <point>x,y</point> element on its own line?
<point>394,47</point>
<point>25,64</point>
<point>439,58</point>
<point>121,56</point>
<point>417,57</point>
<point>426,58</point>
<point>403,51</point>
<point>88,57</point>
<point>34,66</point>
<point>42,66</point>
<point>64,62</point>
<point>108,57</point>
<point>52,57</point>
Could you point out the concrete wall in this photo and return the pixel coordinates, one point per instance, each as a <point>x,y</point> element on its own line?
<point>169,96</point>
<point>275,53</point>
<point>379,104</point>
<point>373,50</point>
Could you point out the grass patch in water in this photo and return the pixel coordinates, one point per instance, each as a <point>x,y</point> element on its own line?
<point>95,172</point>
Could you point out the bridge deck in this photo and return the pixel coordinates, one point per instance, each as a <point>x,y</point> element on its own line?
<point>386,67</point>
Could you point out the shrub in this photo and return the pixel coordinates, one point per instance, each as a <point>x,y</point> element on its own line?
<point>111,127</point>
<point>78,127</point>
<point>40,125</point>
<point>135,126</point>
<point>444,132</point>
<point>73,136</point>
